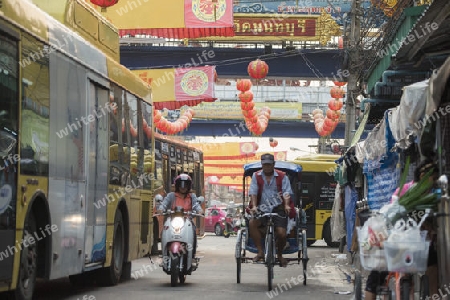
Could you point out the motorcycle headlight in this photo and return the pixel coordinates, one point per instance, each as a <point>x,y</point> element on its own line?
<point>177,223</point>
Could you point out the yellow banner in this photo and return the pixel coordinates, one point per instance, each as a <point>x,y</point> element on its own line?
<point>279,155</point>
<point>226,150</point>
<point>233,111</point>
<point>162,82</point>
<point>146,14</point>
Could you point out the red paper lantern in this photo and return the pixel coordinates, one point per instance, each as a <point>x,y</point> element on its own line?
<point>341,42</point>
<point>257,69</point>
<point>104,3</point>
<point>156,116</point>
<point>247,105</point>
<point>244,85</point>
<point>339,83</point>
<point>334,104</point>
<point>249,124</point>
<point>274,143</point>
<point>329,122</point>
<point>246,96</point>
<point>333,114</point>
<point>336,92</point>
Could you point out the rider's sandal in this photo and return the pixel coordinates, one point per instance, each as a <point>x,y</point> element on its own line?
<point>258,258</point>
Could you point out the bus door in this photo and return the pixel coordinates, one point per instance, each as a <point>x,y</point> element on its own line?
<point>97,175</point>
<point>307,190</point>
<point>67,163</point>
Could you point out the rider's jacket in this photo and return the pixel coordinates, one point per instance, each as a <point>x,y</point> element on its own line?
<point>174,199</point>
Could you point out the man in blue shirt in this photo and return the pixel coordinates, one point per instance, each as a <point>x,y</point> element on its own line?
<point>270,191</point>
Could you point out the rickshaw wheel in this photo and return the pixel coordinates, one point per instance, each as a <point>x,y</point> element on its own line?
<point>424,287</point>
<point>358,286</point>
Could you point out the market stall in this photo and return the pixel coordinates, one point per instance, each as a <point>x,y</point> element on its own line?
<point>414,131</point>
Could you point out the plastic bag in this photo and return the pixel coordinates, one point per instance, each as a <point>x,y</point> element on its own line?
<point>407,232</point>
<point>392,211</point>
<point>377,231</point>
<point>337,222</point>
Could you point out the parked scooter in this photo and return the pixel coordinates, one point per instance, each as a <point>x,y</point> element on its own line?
<point>177,244</point>
<point>231,225</point>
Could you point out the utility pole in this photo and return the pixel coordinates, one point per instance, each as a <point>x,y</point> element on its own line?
<point>353,65</point>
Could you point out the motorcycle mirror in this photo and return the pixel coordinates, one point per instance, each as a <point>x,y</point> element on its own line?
<point>201,199</point>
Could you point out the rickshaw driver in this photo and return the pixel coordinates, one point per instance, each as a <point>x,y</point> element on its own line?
<point>270,191</point>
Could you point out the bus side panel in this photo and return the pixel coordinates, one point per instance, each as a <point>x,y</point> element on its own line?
<point>67,175</point>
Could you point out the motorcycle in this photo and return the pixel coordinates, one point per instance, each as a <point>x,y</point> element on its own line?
<point>177,243</point>
<point>232,225</point>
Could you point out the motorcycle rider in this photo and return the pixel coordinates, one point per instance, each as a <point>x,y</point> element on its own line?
<point>182,197</point>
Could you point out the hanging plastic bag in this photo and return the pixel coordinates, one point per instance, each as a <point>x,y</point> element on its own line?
<point>337,217</point>
<point>377,231</point>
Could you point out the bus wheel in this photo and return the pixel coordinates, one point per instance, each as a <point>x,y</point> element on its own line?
<point>28,263</point>
<point>326,234</point>
<point>310,242</point>
<point>111,275</point>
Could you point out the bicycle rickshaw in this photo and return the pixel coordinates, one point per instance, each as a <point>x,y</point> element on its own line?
<point>296,237</point>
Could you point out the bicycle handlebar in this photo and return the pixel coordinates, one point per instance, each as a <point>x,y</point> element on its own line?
<point>262,215</point>
<point>169,212</point>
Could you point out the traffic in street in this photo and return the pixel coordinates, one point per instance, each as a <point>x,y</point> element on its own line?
<point>328,278</point>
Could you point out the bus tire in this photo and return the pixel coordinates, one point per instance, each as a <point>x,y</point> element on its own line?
<point>81,280</point>
<point>326,234</point>
<point>310,242</point>
<point>111,275</point>
<point>28,263</point>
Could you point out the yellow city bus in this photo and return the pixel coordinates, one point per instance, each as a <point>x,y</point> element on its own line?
<point>76,172</point>
<point>317,194</point>
<point>173,157</point>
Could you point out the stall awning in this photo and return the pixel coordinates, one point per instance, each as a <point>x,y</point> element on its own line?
<point>176,19</point>
<point>175,87</point>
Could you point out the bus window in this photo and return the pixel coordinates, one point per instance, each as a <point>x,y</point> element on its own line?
<point>147,146</point>
<point>8,140</point>
<point>116,153</point>
<point>34,136</point>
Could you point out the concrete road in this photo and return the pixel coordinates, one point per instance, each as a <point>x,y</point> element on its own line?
<point>328,275</point>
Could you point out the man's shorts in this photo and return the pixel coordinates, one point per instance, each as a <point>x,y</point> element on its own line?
<point>375,279</point>
<point>281,221</point>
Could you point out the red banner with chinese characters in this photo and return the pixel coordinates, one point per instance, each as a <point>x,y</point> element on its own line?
<point>194,83</point>
<point>178,19</point>
<point>172,88</point>
<point>208,13</point>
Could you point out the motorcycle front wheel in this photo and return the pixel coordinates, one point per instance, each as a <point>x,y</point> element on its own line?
<point>174,270</point>
<point>182,275</point>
